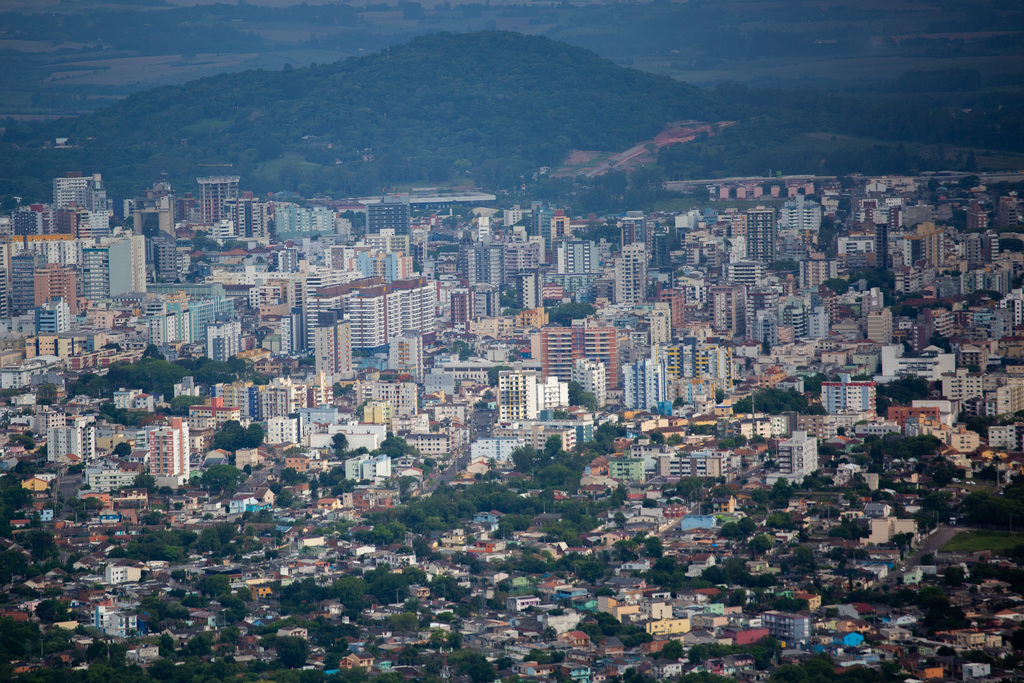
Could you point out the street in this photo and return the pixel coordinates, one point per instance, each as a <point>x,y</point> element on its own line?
<point>939,538</point>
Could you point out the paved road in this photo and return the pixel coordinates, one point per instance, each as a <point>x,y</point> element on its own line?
<point>68,486</point>
<point>933,543</point>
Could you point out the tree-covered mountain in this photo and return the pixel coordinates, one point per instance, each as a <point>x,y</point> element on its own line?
<point>490,106</point>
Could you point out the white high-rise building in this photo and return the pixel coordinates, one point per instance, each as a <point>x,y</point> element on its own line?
<point>749,273</point>
<point>282,430</point>
<point>375,468</point>
<point>517,395</point>
<point>631,274</point>
<point>800,214</point>
<point>818,323</point>
<point>381,313</point>
<point>169,449</point>
<point>114,268</point>
<point>645,384</point>
<point>578,256</point>
<point>214,194</point>
<point>405,354</point>
<point>552,394</point>
<point>766,329</point>
<point>223,340</point>
<point>591,375</point>
<point>85,191</point>
<point>333,347</point>
<point>798,456</point>
<point>67,435</point>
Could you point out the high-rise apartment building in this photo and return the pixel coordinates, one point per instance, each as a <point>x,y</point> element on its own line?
<point>86,192</point>
<point>405,354</point>
<point>1008,211</point>
<point>591,375</point>
<point>392,212</point>
<point>333,347</point>
<point>880,325</point>
<point>55,282</point>
<point>761,230</point>
<point>728,306</point>
<point>631,274</point>
<point>214,194</point>
<point>529,290</point>
<point>577,256</point>
<point>23,281</point>
<point>53,317</point>
<point>520,257</point>
<point>555,229</point>
<point>380,312</point>
<point>814,272</point>
<point>766,329</point>
<point>798,456</point>
<point>749,273</point>
<point>800,214</point>
<point>114,268</point>
<point>223,340</point>
<point>517,395</point>
<point>169,449</point>
<point>153,214</point>
<point>848,396</point>
<point>818,323</point>
<point>711,362</point>
<point>676,300</point>
<point>561,347</point>
<point>633,228</point>
<point>924,247</point>
<point>644,384</point>
<point>483,263</point>
<point>68,435</point>
<point>251,216</point>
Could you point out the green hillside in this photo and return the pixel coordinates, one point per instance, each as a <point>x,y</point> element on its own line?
<point>490,106</point>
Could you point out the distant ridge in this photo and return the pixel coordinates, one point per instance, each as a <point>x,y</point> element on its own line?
<point>485,107</point>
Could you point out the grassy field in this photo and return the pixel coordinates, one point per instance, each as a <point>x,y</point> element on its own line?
<point>999,542</point>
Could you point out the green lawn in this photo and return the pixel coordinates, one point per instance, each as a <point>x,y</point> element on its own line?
<point>973,541</point>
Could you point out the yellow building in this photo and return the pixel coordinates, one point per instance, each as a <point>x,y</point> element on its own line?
<point>533,317</point>
<point>666,627</point>
<point>377,412</point>
<point>35,485</point>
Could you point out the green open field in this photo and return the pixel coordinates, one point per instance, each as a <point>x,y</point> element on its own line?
<point>999,542</point>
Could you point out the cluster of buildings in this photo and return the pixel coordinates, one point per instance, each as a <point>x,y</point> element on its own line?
<point>392,345</point>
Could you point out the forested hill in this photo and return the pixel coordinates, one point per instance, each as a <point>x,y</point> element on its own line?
<point>490,106</point>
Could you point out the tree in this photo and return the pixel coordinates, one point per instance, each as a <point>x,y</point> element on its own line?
<point>339,442</point>
<point>145,481</point>
<point>403,623</point>
<point>953,576</point>
<point>292,651</point>
<point>579,397</point>
<point>653,547</point>
<point>181,404</point>
<point>233,436</point>
<point>13,563</point>
<point>218,478</point>
<point>52,610</point>
<point>475,666</point>
<point>41,544</point>
<point>153,352</point>
<point>122,449</point>
<point>673,649</point>
<point>215,585</point>
<point>761,544</point>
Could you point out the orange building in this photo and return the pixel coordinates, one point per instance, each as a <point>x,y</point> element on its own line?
<point>900,414</point>
<point>55,282</point>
